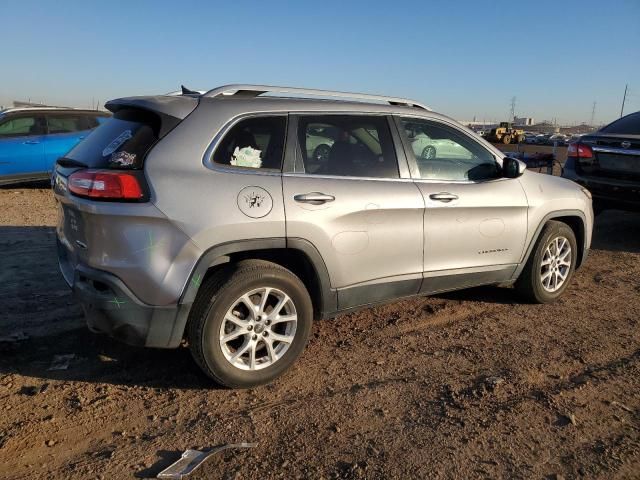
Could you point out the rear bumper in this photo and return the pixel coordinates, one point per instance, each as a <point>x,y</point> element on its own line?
<point>112,309</point>
<point>608,193</point>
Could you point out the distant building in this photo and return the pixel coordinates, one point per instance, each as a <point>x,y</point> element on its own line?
<point>523,121</point>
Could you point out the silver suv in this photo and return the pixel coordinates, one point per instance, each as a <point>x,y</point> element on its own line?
<point>232,218</point>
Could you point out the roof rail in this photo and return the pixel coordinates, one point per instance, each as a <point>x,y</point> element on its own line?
<point>33,107</point>
<point>256,90</point>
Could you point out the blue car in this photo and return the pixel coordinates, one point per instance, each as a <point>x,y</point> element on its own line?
<point>32,139</point>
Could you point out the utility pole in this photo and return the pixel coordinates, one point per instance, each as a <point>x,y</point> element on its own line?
<point>624,98</point>
<point>593,115</point>
<point>513,109</point>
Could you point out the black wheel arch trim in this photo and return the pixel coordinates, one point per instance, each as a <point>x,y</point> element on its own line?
<point>543,222</point>
<point>219,254</point>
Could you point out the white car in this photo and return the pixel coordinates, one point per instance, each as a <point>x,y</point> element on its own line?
<point>427,148</point>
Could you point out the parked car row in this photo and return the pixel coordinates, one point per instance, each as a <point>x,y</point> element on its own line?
<point>550,139</point>
<point>32,139</point>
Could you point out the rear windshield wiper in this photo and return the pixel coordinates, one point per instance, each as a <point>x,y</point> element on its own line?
<point>70,162</point>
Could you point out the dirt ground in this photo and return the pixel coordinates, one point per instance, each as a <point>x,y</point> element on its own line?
<point>465,385</point>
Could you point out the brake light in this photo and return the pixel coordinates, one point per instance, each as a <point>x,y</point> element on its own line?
<point>579,150</point>
<point>106,185</point>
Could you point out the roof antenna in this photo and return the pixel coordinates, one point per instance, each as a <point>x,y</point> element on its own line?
<point>186,91</point>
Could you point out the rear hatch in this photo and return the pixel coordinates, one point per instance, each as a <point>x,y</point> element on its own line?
<point>105,172</point>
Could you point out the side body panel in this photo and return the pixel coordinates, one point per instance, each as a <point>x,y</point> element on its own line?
<point>57,144</point>
<point>207,201</point>
<point>21,157</point>
<point>371,232</point>
<point>486,225</point>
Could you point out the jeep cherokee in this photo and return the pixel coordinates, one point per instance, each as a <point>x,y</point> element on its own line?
<point>209,217</point>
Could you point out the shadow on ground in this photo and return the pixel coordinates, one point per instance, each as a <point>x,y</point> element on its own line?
<point>37,305</point>
<point>27,185</point>
<point>617,231</point>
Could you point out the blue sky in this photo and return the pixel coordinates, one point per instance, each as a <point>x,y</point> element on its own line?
<point>463,58</point>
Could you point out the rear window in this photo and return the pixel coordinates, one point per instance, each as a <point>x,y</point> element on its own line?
<point>629,125</point>
<point>120,142</point>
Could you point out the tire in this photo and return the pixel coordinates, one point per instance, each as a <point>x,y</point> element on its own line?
<point>428,153</point>
<point>506,139</point>
<point>221,297</point>
<point>530,284</point>
<point>521,139</point>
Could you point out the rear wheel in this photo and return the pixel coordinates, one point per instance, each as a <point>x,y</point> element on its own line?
<point>551,264</point>
<point>249,323</point>
<point>506,139</point>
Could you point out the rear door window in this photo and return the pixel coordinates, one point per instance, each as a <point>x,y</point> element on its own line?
<point>347,145</point>
<point>120,142</point>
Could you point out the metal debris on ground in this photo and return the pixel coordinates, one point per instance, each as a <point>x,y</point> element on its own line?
<point>192,459</point>
<point>61,362</point>
<point>622,406</point>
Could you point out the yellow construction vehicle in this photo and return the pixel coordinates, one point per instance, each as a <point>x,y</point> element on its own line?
<point>505,133</point>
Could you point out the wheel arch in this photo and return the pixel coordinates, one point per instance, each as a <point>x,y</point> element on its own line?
<point>575,219</point>
<point>296,254</point>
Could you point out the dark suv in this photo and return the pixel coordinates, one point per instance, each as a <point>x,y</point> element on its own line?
<point>607,162</point>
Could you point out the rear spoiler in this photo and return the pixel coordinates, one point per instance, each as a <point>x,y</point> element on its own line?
<point>175,106</point>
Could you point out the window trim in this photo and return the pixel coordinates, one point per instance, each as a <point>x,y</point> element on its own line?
<point>413,164</point>
<point>23,115</point>
<point>208,162</point>
<point>293,165</point>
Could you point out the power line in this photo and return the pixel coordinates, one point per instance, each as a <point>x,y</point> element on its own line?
<point>624,98</point>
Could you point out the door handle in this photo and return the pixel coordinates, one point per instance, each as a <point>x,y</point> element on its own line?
<point>31,142</point>
<point>314,198</point>
<point>443,197</point>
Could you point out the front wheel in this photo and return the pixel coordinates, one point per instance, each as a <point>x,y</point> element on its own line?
<point>506,139</point>
<point>249,323</point>
<point>550,265</point>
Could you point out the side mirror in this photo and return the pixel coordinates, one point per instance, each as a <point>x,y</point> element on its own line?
<point>512,167</point>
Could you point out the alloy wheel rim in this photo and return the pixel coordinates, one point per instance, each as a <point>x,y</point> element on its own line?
<point>556,264</point>
<point>258,329</point>
<point>429,152</point>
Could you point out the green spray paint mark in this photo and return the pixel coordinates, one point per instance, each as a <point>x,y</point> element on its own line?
<point>117,301</point>
<point>151,246</point>
<point>196,281</point>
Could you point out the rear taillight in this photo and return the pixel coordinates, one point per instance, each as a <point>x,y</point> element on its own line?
<point>106,185</point>
<point>579,150</point>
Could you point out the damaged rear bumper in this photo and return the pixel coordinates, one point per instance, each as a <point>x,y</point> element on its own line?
<point>112,309</point>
